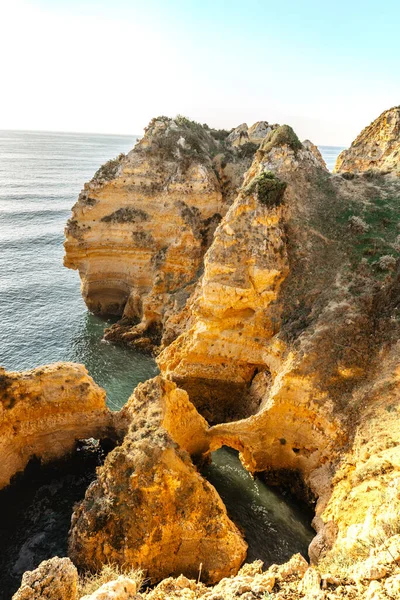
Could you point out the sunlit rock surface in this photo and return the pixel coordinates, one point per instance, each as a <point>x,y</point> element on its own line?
<point>54,579</point>
<point>149,507</point>
<point>288,346</point>
<point>310,366</point>
<point>376,148</point>
<point>140,228</point>
<point>44,411</point>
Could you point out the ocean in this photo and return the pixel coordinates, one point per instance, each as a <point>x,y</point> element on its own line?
<point>43,317</point>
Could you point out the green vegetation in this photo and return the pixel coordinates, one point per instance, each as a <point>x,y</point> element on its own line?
<point>247,150</point>
<point>283,135</point>
<point>268,187</point>
<point>109,170</point>
<point>378,239</point>
<point>183,140</point>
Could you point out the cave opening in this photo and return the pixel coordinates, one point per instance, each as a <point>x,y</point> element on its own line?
<point>275,525</point>
<point>36,510</point>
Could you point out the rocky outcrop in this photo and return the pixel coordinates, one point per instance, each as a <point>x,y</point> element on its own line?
<point>140,228</point>
<point>377,578</point>
<point>308,359</point>
<point>376,148</point>
<point>250,135</point>
<point>288,346</point>
<point>54,579</point>
<point>149,507</point>
<point>44,411</point>
<point>244,270</point>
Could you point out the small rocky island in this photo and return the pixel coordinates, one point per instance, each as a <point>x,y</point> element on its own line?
<point>269,290</point>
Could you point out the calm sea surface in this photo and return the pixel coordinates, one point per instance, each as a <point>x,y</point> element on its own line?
<point>43,317</point>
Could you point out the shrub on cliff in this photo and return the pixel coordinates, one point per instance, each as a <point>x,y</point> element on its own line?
<point>268,188</point>
<point>126,214</point>
<point>183,140</point>
<point>283,135</point>
<point>109,170</point>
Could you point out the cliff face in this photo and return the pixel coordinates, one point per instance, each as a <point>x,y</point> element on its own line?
<point>285,329</point>
<point>287,345</point>
<point>140,228</point>
<point>149,507</point>
<point>44,411</point>
<point>377,146</point>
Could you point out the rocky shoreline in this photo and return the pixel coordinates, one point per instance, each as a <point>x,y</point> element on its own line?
<point>269,289</point>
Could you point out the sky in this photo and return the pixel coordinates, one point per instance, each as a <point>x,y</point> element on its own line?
<point>326,68</point>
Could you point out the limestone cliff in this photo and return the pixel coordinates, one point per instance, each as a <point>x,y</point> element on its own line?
<point>141,226</point>
<point>44,411</point>
<point>296,312</point>
<point>149,507</point>
<point>288,346</point>
<point>377,146</point>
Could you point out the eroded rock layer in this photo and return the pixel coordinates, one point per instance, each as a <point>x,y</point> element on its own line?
<point>377,146</point>
<point>44,411</point>
<point>288,346</point>
<point>149,507</point>
<point>312,379</point>
<point>141,226</point>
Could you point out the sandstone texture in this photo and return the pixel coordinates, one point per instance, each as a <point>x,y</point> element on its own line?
<point>285,346</point>
<point>140,228</point>
<point>149,507</point>
<point>295,316</point>
<point>54,579</point>
<point>44,411</point>
<point>376,148</point>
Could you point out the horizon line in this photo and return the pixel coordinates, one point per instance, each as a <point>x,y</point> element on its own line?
<point>121,135</point>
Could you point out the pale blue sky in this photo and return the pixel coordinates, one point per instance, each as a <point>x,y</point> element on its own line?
<point>327,69</point>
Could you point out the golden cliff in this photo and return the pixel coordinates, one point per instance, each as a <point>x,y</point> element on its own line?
<point>44,411</point>
<point>293,318</point>
<point>140,228</point>
<point>280,328</point>
<point>377,146</point>
<point>149,507</point>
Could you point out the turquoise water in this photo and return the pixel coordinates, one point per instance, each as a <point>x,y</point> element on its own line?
<point>43,317</point>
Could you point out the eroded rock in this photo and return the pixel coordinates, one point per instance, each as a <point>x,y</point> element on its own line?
<point>54,579</point>
<point>376,148</point>
<point>140,228</point>
<point>44,411</point>
<point>149,507</point>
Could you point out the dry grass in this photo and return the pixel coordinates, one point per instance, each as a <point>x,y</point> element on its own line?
<point>90,582</point>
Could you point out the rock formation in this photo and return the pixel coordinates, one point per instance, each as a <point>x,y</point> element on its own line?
<point>285,329</point>
<point>280,328</point>
<point>44,411</point>
<point>54,579</point>
<point>149,507</point>
<point>253,135</point>
<point>376,148</point>
<point>141,226</point>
